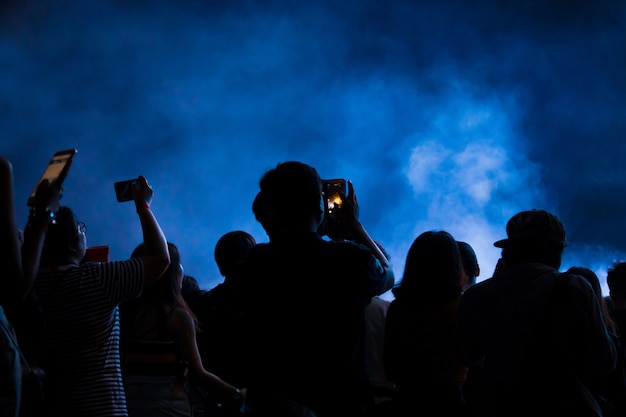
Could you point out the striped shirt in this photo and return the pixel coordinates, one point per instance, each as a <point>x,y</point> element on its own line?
<point>82,335</point>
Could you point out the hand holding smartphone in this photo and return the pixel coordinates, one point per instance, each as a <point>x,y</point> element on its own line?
<point>124,189</point>
<point>335,190</point>
<point>55,171</point>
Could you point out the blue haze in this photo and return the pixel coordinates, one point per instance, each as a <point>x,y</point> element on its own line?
<point>446,115</point>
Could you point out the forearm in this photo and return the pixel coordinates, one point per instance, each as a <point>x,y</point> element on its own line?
<point>156,255</point>
<point>10,253</point>
<point>34,238</point>
<point>361,236</point>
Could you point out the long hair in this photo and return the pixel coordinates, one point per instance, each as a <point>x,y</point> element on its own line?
<point>593,280</point>
<point>166,291</point>
<point>61,236</point>
<point>433,268</point>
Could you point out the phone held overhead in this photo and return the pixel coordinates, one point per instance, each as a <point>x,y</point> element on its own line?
<point>55,171</point>
<point>335,190</point>
<point>124,189</point>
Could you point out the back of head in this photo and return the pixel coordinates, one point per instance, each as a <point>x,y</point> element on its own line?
<point>593,280</point>
<point>62,239</point>
<point>231,249</point>
<point>190,286</point>
<point>589,276</point>
<point>616,280</point>
<point>290,196</point>
<point>469,260</point>
<point>432,264</point>
<point>533,236</point>
<point>167,288</point>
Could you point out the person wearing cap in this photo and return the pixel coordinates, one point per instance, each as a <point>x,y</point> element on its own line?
<point>539,334</point>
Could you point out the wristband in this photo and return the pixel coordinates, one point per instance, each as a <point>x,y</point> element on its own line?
<point>38,217</point>
<point>144,205</point>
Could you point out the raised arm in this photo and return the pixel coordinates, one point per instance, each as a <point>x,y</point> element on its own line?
<point>22,259</point>
<point>350,213</point>
<point>10,255</point>
<point>156,257</point>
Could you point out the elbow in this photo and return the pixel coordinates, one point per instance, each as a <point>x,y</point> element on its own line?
<point>165,263</point>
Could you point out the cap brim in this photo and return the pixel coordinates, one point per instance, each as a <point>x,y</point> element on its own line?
<point>501,243</point>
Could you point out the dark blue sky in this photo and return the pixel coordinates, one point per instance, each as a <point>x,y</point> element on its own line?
<point>448,115</point>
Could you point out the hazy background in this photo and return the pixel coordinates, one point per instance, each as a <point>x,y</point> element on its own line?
<point>448,115</point>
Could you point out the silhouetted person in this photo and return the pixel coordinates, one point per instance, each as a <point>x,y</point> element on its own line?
<point>420,348</point>
<point>81,334</point>
<point>539,333</point>
<point>219,311</point>
<point>305,299</point>
<point>470,264</point>
<point>616,281</point>
<point>474,383</point>
<point>381,389</point>
<point>610,392</point>
<point>159,350</point>
<point>20,261</point>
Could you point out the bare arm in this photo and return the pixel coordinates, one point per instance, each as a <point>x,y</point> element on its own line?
<point>23,259</point>
<point>350,212</point>
<point>156,257</point>
<point>182,326</point>
<point>10,255</point>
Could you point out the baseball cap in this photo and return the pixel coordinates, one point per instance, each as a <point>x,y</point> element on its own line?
<point>533,225</point>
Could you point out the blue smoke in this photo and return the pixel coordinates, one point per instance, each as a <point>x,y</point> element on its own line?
<point>445,114</point>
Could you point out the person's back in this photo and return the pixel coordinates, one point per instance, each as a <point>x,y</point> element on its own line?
<point>610,392</point>
<point>81,333</point>
<point>159,351</point>
<point>306,298</point>
<point>219,310</point>
<point>381,389</point>
<point>473,385</point>
<point>20,261</point>
<point>538,332</point>
<point>420,349</point>
<point>616,281</point>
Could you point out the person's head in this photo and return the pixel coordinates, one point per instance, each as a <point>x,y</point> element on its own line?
<point>66,240</point>
<point>616,281</point>
<point>533,236</point>
<point>470,264</point>
<point>231,249</point>
<point>589,276</point>
<point>433,266</point>
<point>168,288</point>
<point>290,199</point>
<point>191,291</point>
<point>594,281</point>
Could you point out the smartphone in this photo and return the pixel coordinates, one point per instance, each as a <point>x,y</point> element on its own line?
<point>55,171</point>
<point>124,189</point>
<point>334,192</point>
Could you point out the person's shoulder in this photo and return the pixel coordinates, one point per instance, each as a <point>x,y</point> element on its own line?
<point>576,283</point>
<point>378,304</point>
<point>348,249</point>
<point>483,290</point>
<point>180,316</point>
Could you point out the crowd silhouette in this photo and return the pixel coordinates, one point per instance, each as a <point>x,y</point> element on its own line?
<point>298,328</point>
